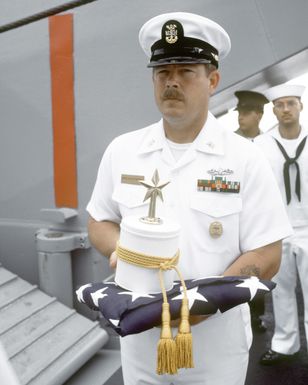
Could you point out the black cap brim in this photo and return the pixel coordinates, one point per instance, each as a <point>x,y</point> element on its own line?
<point>177,60</point>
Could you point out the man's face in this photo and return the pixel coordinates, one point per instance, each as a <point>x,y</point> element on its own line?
<point>249,119</point>
<point>182,91</point>
<point>287,110</point>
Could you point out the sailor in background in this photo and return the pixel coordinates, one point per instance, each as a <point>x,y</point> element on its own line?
<point>250,108</point>
<point>224,231</point>
<point>286,148</point>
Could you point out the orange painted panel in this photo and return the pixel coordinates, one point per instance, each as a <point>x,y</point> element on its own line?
<point>63,114</point>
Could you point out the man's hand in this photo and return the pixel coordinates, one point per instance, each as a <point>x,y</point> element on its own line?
<point>113,260</point>
<point>104,236</point>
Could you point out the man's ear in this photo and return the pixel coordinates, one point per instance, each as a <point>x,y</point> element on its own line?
<point>260,115</point>
<point>214,78</point>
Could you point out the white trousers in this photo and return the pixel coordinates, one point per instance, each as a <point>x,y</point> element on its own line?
<point>220,347</point>
<point>286,337</point>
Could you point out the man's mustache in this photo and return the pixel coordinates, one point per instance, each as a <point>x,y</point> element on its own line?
<point>172,93</point>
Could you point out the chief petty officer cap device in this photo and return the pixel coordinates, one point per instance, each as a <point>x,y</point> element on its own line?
<point>183,38</point>
<point>250,101</point>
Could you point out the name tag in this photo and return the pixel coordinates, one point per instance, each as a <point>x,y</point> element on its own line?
<point>131,179</point>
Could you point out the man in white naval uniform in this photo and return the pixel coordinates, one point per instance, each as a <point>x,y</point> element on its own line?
<point>286,148</point>
<point>217,181</point>
<point>250,108</point>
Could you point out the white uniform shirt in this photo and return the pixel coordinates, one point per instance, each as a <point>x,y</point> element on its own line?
<point>251,218</point>
<point>297,211</point>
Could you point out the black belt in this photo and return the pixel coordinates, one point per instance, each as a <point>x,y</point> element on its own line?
<point>286,166</point>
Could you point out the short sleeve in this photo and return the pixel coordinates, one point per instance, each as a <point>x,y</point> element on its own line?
<point>101,207</point>
<point>263,219</point>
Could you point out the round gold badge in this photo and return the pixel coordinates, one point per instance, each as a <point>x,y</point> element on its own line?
<point>215,229</point>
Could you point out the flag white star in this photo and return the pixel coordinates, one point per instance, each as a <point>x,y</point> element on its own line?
<point>253,284</point>
<point>136,295</point>
<point>192,295</point>
<point>79,292</point>
<point>98,295</point>
<point>114,322</point>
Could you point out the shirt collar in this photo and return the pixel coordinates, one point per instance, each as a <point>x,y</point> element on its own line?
<point>154,138</point>
<point>274,132</point>
<point>209,140</point>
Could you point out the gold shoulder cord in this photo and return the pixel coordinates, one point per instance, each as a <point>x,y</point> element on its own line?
<point>172,353</point>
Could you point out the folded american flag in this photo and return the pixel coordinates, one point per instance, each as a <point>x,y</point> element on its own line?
<point>130,312</point>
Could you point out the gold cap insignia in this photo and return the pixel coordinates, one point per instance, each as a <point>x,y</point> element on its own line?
<point>215,229</point>
<point>171,33</point>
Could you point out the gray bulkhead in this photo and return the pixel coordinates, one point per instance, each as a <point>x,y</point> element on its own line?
<point>113,95</point>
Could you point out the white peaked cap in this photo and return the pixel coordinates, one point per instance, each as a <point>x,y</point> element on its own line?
<point>284,90</point>
<point>180,36</point>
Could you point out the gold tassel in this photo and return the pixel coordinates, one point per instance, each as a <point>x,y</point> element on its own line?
<point>171,354</point>
<point>183,339</point>
<point>166,350</point>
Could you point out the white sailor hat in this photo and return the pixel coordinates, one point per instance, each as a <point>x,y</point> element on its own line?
<point>186,38</point>
<point>284,90</point>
